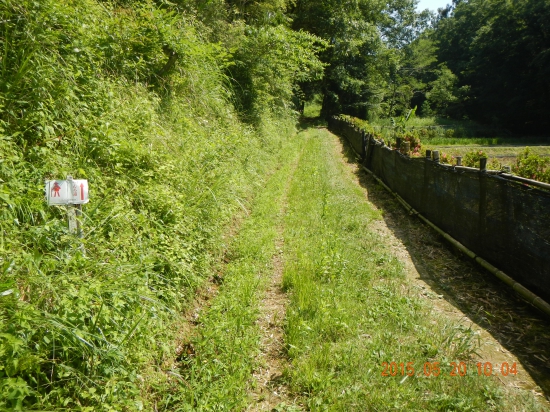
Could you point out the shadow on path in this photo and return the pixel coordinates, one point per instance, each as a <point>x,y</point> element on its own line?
<point>309,122</point>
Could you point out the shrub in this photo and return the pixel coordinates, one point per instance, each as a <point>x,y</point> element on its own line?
<point>532,166</point>
<point>446,158</point>
<point>429,133</point>
<point>449,133</point>
<point>471,159</point>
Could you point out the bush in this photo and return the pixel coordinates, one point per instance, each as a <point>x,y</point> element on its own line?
<point>532,166</point>
<point>471,159</point>
<point>449,133</point>
<point>428,133</point>
<point>446,158</point>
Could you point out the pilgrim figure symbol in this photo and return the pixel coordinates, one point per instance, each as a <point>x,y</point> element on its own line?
<point>55,189</point>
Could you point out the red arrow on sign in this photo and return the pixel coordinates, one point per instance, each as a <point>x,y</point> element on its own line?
<point>81,191</point>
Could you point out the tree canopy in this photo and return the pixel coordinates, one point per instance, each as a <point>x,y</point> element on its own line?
<point>499,51</point>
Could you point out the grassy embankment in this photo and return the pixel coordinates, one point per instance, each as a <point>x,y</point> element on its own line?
<point>86,90</point>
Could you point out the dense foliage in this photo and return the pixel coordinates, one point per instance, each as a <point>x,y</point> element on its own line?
<point>138,98</point>
<point>532,166</point>
<point>488,62</point>
<point>365,39</point>
<point>498,51</point>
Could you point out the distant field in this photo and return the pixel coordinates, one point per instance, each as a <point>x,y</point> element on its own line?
<point>429,122</point>
<point>463,131</point>
<point>505,155</point>
<point>458,137</point>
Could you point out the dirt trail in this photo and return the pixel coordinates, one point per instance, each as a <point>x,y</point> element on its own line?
<point>509,329</point>
<point>269,389</point>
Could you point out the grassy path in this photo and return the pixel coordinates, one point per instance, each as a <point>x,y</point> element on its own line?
<point>269,390</point>
<point>225,351</point>
<point>349,309</point>
<point>352,308</point>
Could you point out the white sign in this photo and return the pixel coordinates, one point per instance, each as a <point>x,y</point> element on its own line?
<point>67,192</point>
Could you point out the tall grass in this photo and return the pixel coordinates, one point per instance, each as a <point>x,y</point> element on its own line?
<point>85,91</point>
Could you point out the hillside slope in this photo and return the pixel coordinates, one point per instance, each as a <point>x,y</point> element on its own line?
<point>136,98</point>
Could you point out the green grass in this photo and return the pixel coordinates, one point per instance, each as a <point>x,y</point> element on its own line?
<point>491,151</point>
<point>312,108</point>
<point>353,309</point>
<point>488,141</point>
<point>226,344</point>
<point>443,128</point>
<point>422,122</point>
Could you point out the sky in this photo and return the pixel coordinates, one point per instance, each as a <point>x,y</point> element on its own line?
<point>431,4</point>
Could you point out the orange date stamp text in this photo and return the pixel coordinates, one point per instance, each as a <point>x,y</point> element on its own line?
<point>456,369</point>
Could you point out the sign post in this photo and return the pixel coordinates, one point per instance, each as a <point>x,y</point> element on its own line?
<point>72,193</point>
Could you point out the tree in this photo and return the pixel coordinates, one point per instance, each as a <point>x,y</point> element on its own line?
<point>498,50</point>
<point>268,64</point>
<point>359,34</point>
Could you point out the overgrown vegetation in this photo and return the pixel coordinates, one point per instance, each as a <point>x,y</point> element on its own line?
<point>480,60</point>
<point>496,55</point>
<point>136,98</point>
<point>176,113</point>
<point>472,158</point>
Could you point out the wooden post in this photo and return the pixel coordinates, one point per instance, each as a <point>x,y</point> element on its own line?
<point>429,154</point>
<point>435,155</point>
<point>483,164</point>
<point>405,148</point>
<point>482,225</point>
<point>459,160</point>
